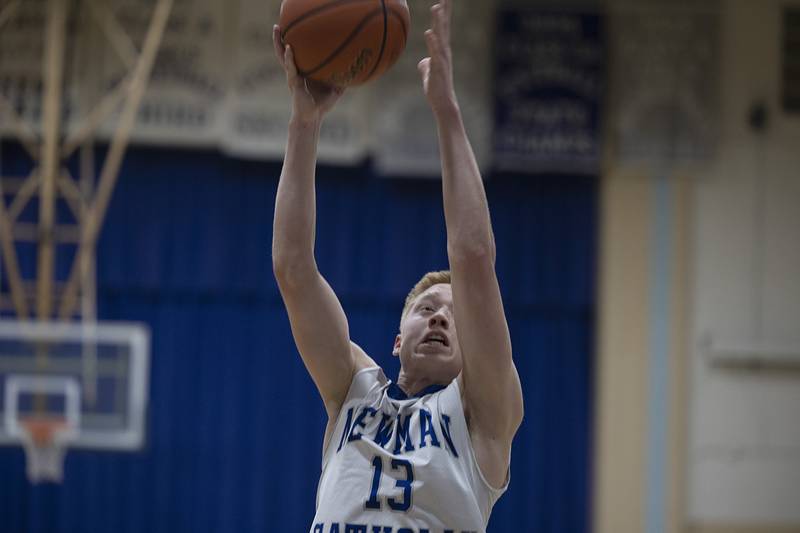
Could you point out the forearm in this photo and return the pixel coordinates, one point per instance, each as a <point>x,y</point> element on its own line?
<point>469,231</point>
<point>295,202</point>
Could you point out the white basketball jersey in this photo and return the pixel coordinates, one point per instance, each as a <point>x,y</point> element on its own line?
<point>395,464</point>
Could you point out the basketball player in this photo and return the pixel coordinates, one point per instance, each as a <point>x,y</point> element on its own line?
<point>431,452</point>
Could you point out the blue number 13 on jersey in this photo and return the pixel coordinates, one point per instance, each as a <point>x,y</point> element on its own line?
<point>403,505</point>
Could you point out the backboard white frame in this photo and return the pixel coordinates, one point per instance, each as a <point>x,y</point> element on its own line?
<point>135,335</point>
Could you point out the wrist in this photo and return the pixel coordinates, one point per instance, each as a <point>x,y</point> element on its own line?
<point>305,122</point>
<point>447,109</point>
<point>447,112</point>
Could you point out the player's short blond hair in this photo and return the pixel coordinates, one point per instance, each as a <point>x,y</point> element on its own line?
<point>428,280</point>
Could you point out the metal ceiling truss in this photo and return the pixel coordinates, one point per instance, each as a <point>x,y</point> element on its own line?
<point>50,180</point>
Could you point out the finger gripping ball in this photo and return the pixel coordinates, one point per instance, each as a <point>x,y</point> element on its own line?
<point>344,42</point>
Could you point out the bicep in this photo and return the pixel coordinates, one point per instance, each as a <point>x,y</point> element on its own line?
<point>491,383</point>
<point>321,333</point>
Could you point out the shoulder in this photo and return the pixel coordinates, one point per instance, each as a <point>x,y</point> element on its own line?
<point>366,380</point>
<point>367,375</point>
<point>361,363</point>
<point>361,360</point>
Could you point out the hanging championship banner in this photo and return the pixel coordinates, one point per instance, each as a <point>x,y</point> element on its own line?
<point>549,78</point>
<point>664,81</point>
<point>259,103</point>
<point>404,136</point>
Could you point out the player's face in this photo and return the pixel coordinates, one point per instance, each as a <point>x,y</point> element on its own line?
<point>427,343</point>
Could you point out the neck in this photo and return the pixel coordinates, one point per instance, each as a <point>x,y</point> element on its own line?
<point>412,385</point>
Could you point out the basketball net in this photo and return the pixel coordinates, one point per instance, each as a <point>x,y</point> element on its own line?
<point>45,440</point>
<point>43,435</point>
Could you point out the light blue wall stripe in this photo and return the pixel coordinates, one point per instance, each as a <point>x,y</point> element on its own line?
<point>659,349</point>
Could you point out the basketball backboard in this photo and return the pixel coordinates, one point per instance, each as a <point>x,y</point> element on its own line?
<point>50,369</point>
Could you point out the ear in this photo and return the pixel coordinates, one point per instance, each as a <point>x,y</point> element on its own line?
<point>396,349</point>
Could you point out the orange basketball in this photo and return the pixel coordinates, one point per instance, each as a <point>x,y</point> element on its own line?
<point>344,42</point>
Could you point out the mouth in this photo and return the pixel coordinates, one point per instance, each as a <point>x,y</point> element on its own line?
<point>435,339</point>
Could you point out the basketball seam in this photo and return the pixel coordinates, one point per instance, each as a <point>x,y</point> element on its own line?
<point>402,22</point>
<point>342,46</point>
<point>317,11</point>
<point>383,41</point>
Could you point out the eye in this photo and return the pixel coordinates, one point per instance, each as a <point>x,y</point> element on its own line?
<point>426,308</point>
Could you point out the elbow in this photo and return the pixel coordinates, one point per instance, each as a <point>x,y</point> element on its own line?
<point>281,269</point>
<point>472,251</point>
<point>292,270</point>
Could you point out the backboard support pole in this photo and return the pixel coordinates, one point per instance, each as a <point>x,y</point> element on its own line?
<point>53,75</point>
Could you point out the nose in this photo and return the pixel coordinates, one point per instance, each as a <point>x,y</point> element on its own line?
<point>439,319</point>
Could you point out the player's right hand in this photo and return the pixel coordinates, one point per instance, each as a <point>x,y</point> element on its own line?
<point>311,100</point>
<point>437,69</point>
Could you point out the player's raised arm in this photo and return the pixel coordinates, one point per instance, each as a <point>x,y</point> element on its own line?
<point>318,322</point>
<point>491,385</point>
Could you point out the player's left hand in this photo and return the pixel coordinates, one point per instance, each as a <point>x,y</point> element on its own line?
<point>311,100</point>
<point>437,69</point>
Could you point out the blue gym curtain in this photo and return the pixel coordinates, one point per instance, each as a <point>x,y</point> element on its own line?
<point>235,425</point>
